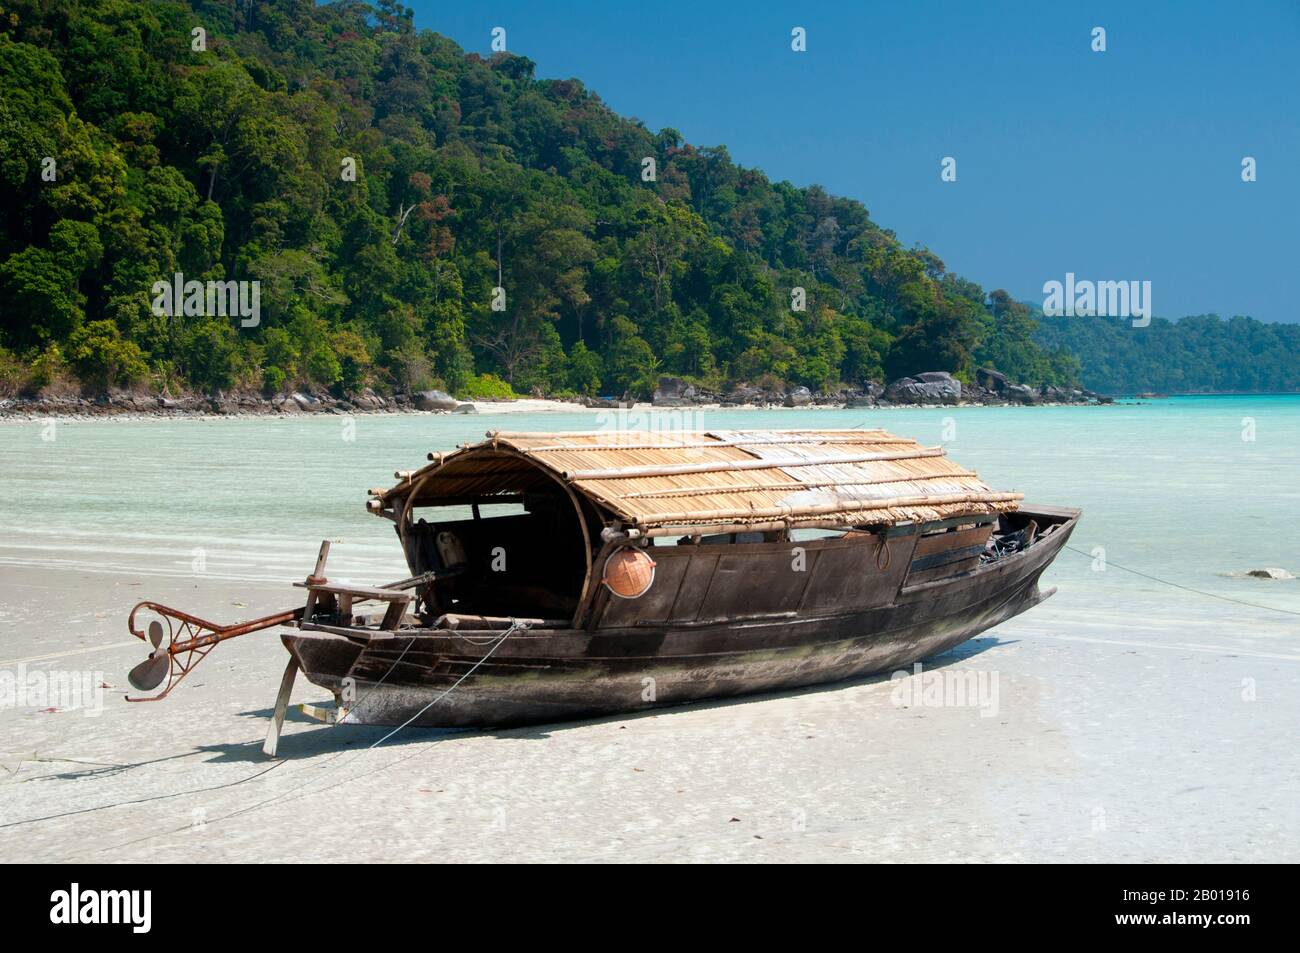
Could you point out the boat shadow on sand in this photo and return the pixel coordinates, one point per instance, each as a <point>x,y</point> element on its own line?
<point>332,739</point>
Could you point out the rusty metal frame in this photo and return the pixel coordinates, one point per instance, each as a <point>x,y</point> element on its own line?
<point>189,639</point>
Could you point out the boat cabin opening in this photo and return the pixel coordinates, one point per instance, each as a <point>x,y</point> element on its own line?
<point>519,555</point>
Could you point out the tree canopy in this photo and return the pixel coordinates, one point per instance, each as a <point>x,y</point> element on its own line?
<point>419,215</point>
<point>1200,354</point>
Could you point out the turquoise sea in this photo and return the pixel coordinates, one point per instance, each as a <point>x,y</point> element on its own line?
<point>1190,489</point>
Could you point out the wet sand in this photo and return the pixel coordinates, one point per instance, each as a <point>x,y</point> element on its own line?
<point>1114,739</point>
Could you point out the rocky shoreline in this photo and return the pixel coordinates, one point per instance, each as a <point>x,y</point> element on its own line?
<point>926,389</point>
<point>936,388</point>
<point>231,405</point>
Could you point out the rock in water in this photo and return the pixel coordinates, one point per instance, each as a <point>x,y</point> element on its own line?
<point>1270,572</point>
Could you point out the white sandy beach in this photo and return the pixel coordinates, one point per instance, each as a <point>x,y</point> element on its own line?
<point>1108,743</point>
<point>523,405</point>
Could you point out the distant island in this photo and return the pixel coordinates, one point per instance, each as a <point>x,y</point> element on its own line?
<point>1195,355</point>
<point>384,215</point>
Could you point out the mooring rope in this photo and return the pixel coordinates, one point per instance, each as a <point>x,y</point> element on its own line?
<point>514,627</point>
<point>1201,592</point>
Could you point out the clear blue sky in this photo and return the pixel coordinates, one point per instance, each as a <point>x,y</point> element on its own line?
<point>1117,165</point>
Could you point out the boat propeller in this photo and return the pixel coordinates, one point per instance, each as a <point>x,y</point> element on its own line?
<point>149,674</point>
<point>183,642</point>
<point>180,640</point>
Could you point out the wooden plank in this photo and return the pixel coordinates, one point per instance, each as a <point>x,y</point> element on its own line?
<point>749,584</point>
<point>840,575</point>
<point>272,742</point>
<point>954,539</point>
<point>394,614</point>
<point>946,557</point>
<point>694,587</point>
<point>359,592</point>
<point>942,572</point>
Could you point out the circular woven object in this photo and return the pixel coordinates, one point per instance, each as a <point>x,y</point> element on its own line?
<point>629,573</point>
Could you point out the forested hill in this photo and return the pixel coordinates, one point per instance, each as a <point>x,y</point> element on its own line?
<point>1202,354</point>
<point>128,156</point>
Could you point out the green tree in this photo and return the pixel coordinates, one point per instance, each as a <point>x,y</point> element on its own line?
<point>101,358</point>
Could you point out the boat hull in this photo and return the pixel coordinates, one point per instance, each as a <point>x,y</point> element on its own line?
<point>477,679</point>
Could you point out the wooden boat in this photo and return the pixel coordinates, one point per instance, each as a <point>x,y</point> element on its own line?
<point>567,575</point>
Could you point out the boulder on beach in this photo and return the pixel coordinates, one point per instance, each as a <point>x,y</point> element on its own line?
<point>435,400</point>
<point>367,400</point>
<point>465,409</point>
<point>672,392</point>
<point>1021,392</point>
<point>747,394</point>
<point>991,380</point>
<point>930,387</point>
<point>799,397</point>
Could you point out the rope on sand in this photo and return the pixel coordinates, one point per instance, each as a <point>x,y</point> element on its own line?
<point>299,792</point>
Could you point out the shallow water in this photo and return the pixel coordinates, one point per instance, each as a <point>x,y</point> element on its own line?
<point>1168,487</point>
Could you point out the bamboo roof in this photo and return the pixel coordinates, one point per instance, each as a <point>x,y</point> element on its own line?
<point>675,481</point>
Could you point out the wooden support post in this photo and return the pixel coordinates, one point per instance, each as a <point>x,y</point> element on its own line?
<point>317,575</point>
<point>281,706</point>
<point>396,609</point>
